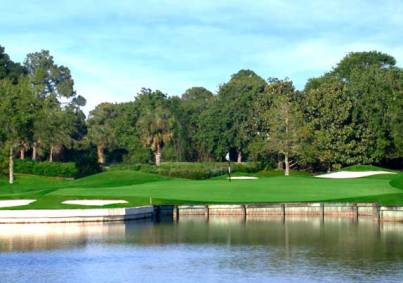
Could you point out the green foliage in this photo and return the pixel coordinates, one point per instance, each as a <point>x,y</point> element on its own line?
<point>101,128</point>
<point>228,123</point>
<point>86,164</point>
<point>46,168</point>
<point>9,69</point>
<point>276,173</point>
<point>362,60</point>
<point>354,111</point>
<point>156,122</point>
<point>187,170</point>
<point>332,131</point>
<point>3,165</point>
<point>48,78</point>
<point>194,102</point>
<point>351,115</point>
<point>364,168</point>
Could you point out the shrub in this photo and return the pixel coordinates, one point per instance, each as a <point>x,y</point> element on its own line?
<point>3,165</point>
<point>86,163</point>
<point>46,168</point>
<point>364,168</point>
<point>188,170</point>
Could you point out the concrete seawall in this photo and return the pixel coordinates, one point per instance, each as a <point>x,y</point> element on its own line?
<point>75,215</point>
<point>354,210</point>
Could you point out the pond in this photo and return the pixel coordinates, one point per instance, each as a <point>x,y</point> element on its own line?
<point>197,249</point>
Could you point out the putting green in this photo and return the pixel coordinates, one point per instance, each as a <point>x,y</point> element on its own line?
<point>139,188</point>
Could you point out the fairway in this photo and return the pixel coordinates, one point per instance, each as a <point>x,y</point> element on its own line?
<point>139,188</point>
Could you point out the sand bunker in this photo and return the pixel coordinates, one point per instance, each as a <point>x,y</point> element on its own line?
<point>352,174</point>
<point>15,202</point>
<point>96,202</point>
<point>243,178</point>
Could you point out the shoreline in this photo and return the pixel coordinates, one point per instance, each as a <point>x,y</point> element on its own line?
<point>315,209</point>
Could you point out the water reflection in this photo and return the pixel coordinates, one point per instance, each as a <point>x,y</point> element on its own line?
<point>332,234</point>
<point>25,237</point>
<point>256,249</point>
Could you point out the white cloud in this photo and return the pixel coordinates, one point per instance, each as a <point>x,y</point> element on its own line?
<point>116,47</point>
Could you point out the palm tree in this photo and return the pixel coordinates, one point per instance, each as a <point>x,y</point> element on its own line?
<point>101,130</point>
<point>155,127</point>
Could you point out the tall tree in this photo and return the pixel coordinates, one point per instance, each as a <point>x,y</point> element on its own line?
<point>285,127</point>
<point>16,116</point>
<point>328,110</point>
<point>372,84</point>
<point>156,121</point>
<point>232,112</point>
<point>194,102</point>
<point>128,142</point>
<point>53,86</point>
<point>101,130</point>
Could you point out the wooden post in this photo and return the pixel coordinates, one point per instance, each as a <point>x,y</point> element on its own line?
<point>283,211</point>
<point>322,211</point>
<point>176,213</point>
<point>376,212</point>
<point>356,208</point>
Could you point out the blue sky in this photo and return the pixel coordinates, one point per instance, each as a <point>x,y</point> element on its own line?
<point>114,48</point>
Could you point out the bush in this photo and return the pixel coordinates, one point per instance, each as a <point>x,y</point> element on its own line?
<point>86,161</point>
<point>46,168</point>
<point>188,170</point>
<point>3,165</point>
<point>364,168</point>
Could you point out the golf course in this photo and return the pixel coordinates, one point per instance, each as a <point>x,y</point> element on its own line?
<point>139,188</point>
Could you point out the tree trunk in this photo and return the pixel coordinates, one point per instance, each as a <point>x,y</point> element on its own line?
<point>286,162</point>
<point>11,167</point>
<point>101,154</point>
<point>22,153</point>
<point>239,158</point>
<point>34,151</point>
<point>280,162</point>
<point>158,155</point>
<point>51,154</point>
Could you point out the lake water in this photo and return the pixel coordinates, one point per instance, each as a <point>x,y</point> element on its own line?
<point>220,249</point>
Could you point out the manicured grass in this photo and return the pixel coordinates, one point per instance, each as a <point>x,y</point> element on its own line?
<point>140,188</point>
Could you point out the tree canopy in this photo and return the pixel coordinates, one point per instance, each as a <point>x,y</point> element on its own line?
<point>352,114</point>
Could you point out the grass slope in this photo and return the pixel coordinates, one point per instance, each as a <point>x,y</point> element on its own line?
<point>138,188</point>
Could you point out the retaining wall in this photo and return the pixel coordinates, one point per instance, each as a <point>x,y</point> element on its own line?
<point>356,210</point>
<point>75,215</point>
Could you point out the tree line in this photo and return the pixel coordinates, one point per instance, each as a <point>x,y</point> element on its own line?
<point>352,114</point>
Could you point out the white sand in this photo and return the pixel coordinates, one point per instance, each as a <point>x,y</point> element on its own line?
<point>243,178</point>
<point>94,201</point>
<point>16,202</point>
<point>352,174</point>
